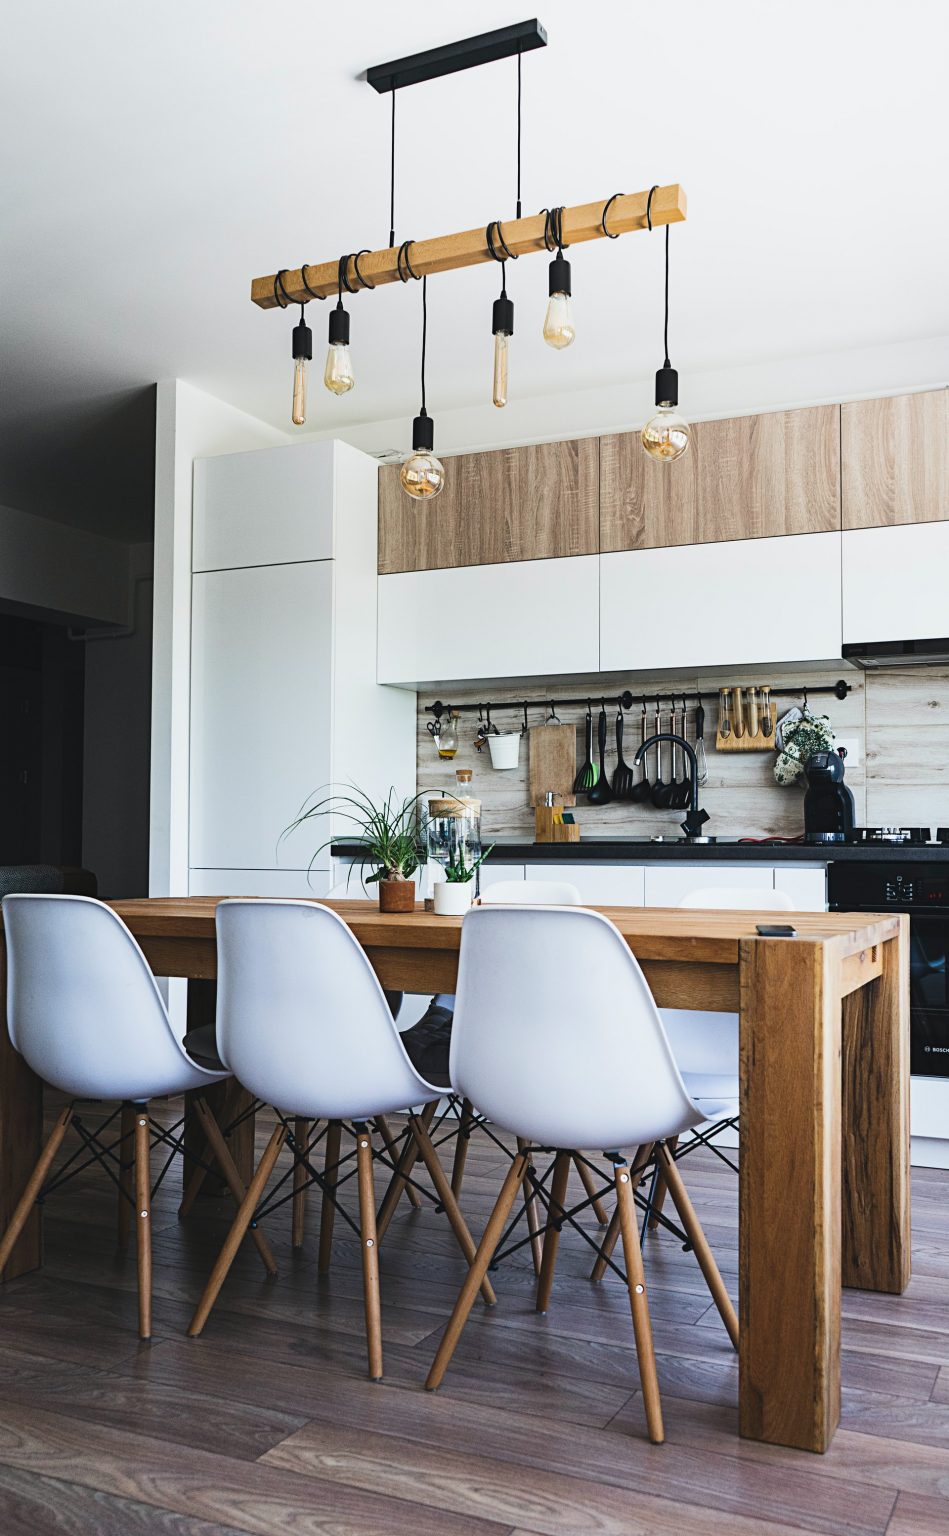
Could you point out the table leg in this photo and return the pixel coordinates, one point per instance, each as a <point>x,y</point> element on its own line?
<point>226,1102</point>
<point>876,1193</point>
<point>21,1140</point>
<point>789,1201</point>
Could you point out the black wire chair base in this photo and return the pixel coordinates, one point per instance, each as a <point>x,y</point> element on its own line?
<point>111,1156</point>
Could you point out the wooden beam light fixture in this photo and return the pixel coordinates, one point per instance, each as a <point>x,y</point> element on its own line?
<point>448,253</point>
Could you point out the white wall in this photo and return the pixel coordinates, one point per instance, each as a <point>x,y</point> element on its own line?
<point>189,423</point>
<point>49,565</point>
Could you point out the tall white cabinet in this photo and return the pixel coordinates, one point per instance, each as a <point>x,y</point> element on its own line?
<point>284,699</point>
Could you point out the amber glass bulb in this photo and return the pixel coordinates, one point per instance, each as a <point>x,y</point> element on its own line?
<point>501,345</point>
<point>298,413</point>
<point>338,374</point>
<point>558,321</point>
<point>422,474</point>
<point>666,435</point>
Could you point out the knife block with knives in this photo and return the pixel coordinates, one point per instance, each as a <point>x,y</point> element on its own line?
<point>552,769</point>
<point>746,720</point>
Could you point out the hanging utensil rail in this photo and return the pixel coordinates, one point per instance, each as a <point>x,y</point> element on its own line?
<point>625,700</point>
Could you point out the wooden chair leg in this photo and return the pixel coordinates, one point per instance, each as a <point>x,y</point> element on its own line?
<point>699,1243</point>
<point>241,1222</point>
<point>531,1216</point>
<point>478,1270</point>
<point>301,1136</point>
<point>589,1185</point>
<point>638,1302</point>
<point>658,1197</point>
<point>35,1183</point>
<point>392,1147</point>
<point>397,1184</point>
<point>126,1151</point>
<point>143,1218</point>
<point>370,1251</point>
<point>640,1161</point>
<point>558,1200</point>
<point>222,1155</point>
<point>465,1122</point>
<point>445,1194</point>
<point>327,1209</point>
<point>194,1183</point>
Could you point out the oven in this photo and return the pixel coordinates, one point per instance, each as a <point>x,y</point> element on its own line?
<point>922,890</point>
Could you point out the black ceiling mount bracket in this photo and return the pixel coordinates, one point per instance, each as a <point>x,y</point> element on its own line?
<point>486,48</point>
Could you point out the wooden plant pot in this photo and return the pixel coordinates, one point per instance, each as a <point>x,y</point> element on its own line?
<point>396,895</point>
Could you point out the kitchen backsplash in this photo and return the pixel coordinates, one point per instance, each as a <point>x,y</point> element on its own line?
<point>897,722</point>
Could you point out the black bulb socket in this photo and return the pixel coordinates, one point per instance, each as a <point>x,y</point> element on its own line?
<point>667,385</point>
<point>302,341</point>
<point>559,275</point>
<point>502,319</point>
<point>339,326</point>
<point>423,433</point>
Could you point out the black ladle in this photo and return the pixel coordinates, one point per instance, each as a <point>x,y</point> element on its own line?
<point>642,788</point>
<point>682,787</point>
<point>601,793</point>
<point>661,793</point>
<point>623,775</point>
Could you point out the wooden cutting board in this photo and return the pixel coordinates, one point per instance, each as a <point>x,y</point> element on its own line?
<point>553,762</point>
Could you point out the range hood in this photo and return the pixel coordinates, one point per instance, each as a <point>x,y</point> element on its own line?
<point>879,654</point>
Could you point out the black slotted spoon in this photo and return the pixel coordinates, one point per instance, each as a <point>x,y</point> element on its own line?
<point>623,775</point>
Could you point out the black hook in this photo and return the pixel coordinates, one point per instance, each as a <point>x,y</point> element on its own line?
<point>526,727</point>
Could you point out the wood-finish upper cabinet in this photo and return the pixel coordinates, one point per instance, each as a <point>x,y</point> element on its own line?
<point>535,503</point>
<point>895,460</point>
<point>749,477</point>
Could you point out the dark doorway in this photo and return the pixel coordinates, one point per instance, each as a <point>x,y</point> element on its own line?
<point>41,743</point>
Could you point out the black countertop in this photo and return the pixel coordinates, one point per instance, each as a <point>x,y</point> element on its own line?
<point>634,850</point>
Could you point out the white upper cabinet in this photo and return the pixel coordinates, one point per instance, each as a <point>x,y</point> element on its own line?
<point>261,712</point>
<point>895,583</point>
<point>718,605</point>
<point>270,507</point>
<point>519,619</point>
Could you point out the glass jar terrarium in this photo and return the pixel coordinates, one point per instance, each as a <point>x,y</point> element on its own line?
<point>454,832</point>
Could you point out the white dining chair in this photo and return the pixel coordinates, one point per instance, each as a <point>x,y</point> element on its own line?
<point>304,1025</point>
<point>85,1011</point>
<point>569,1055</point>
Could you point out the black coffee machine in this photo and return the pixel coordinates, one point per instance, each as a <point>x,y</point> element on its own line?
<point>828,803</point>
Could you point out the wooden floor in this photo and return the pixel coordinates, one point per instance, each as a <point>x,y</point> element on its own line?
<point>267,1424</point>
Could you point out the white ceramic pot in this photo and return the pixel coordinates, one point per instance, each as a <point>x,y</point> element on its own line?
<point>505,750</point>
<point>453,897</point>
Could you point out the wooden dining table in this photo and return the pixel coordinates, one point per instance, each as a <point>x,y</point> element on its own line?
<point>824,1129</point>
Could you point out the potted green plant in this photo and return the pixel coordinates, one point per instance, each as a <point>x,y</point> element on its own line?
<point>453,894</point>
<point>388,835</point>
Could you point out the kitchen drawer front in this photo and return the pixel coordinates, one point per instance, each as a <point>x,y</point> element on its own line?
<point>667,885</point>
<point>268,507</point>
<point>259,882</point>
<point>526,618</point>
<point>895,460</point>
<point>600,885</point>
<point>261,690</point>
<point>894,583</point>
<point>718,605</point>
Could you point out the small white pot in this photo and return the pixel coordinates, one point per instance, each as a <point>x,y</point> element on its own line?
<point>453,897</point>
<point>505,750</point>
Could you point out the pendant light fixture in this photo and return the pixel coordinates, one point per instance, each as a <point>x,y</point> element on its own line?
<point>502,314</point>
<point>301,351</point>
<point>338,373</point>
<point>422,475</point>
<point>665,435</point>
<point>558,322</point>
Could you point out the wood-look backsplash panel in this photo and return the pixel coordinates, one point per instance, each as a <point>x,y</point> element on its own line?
<point>741,796</point>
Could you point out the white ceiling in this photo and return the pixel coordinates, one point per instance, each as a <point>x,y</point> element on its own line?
<point>156,157</point>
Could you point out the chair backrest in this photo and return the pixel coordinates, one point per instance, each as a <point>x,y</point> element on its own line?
<point>83,1007</point>
<point>301,1018</point>
<point>536,893</point>
<point>556,1036</point>
<point>737,899</point>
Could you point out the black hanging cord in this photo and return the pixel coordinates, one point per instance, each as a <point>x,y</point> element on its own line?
<point>610,235</point>
<point>392,178</point>
<point>518,214</point>
<point>424,335</point>
<point>494,237</point>
<point>282,296</point>
<point>665,323</point>
<point>363,282</point>
<point>553,229</point>
<point>313,295</point>
<point>403,263</point>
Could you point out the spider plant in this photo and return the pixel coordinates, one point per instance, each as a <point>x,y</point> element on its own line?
<point>389,833</point>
